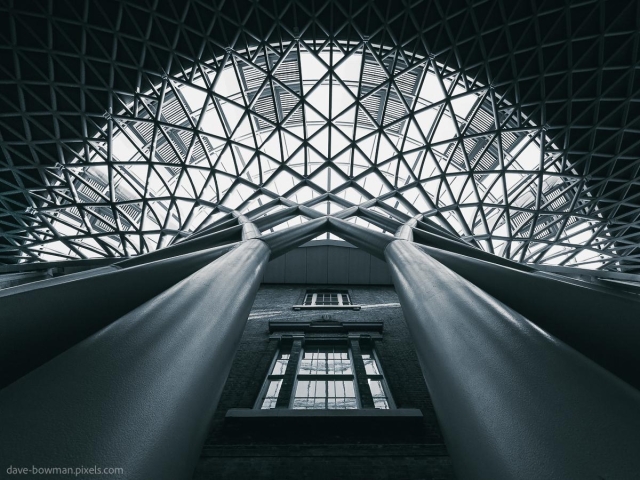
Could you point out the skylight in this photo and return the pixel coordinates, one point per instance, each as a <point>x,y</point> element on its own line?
<point>356,120</point>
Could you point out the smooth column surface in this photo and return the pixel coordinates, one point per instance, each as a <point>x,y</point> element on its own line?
<point>138,395</point>
<point>189,245</point>
<point>284,240</point>
<point>39,323</point>
<point>443,243</point>
<point>513,402</point>
<point>47,282</point>
<point>602,325</point>
<point>363,238</point>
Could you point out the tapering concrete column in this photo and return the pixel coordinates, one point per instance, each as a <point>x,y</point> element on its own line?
<point>217,227</point>
<point>139,394</point>
<point>189,245</point>
<point>43,319</point>
<point>513,402</point>
<point>249,230</point>
<point>269,221</point>
<point>439,241</point>
<point>602,325</point>
<point>281,242</point>
<point>386,223</point>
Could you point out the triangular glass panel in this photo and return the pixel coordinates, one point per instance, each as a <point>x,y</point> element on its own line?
<point>320,141</point>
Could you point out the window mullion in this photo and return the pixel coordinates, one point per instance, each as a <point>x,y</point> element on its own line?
<point>366,399</point>
<point>289,378</point>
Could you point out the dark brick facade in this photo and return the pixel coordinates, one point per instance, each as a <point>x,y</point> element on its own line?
<point>343,453</point>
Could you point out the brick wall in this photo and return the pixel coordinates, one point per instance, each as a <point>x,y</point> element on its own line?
<point>342,454</point>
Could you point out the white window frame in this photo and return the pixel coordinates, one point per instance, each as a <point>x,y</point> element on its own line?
<point>327,377</point>
<point>341,301</point>
<point>351,376</point>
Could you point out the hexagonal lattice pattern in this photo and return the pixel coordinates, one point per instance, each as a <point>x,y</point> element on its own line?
<point>124,127</point>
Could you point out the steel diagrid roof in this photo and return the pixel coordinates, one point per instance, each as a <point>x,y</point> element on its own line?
<point>293,115</point>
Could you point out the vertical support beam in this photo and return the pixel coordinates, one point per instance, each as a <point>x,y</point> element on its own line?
<point>366,399</point>
<point>140,393</point>
<point>513,401</point>
<point>286,389</point>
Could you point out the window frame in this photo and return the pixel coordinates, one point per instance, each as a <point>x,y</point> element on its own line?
<point>314,306</point>
<point>270,377</point>
<point>382,378</point>
<point>311,342</point>
<point>328,377</point>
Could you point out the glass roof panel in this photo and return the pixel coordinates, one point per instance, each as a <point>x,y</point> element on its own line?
<point>356,121</point>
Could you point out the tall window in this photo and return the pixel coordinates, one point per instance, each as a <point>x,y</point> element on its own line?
<point>325,380</point>
<point>274,379</point>
<point>323,376</point>
<point>376,382</point>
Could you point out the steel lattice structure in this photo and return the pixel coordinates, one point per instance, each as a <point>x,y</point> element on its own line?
<point>126,128</point>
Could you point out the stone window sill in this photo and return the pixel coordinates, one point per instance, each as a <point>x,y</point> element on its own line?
<point>401,425</point>
<point>363,413</point>
<point>327,307</point>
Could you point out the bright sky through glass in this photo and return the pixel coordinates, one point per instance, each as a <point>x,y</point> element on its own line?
<point>357,121</point>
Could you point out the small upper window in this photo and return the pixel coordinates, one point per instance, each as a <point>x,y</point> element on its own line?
<point>327,299</point>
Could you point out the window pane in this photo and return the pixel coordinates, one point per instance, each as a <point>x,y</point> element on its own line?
<point>327,299</point>
<point>381,403</point>
<point>349,391</point>
<point>376,388</point>
<point>274,388</point>
<point>271,396</point>
<point>378,394</point>
<point>280,367</point>
<point>344,404</point>
<point>341,395</point>
<point>269,403</point>
<point>323,361</point>
<point>370,365</point>
<point>325,394</point>
<point>302,390</point>
<point>303,404</point>
<point>338,389</point>
<point>321,389</point>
